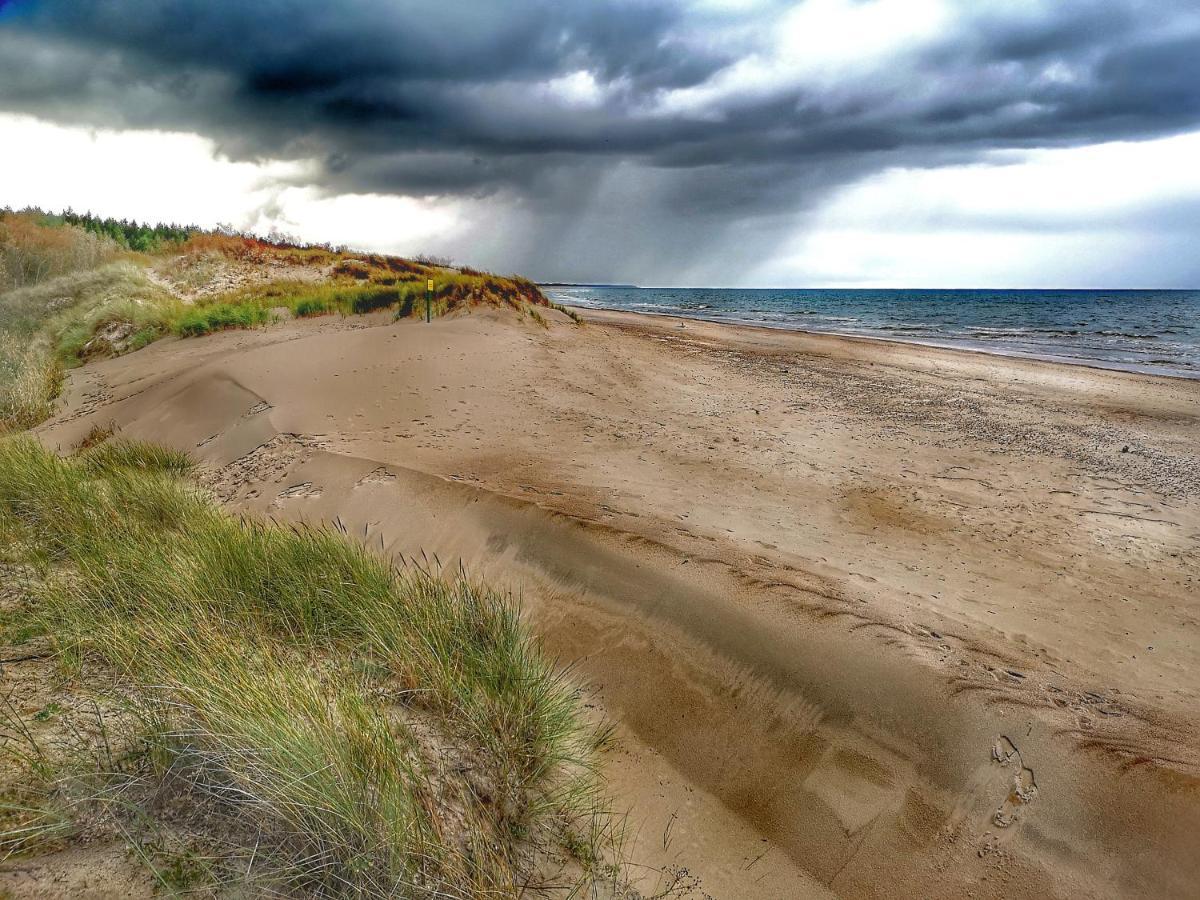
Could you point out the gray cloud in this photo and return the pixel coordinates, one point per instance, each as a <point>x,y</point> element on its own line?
<point>453,98</point>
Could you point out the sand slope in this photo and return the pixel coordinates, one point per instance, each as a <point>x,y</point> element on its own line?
<point>871,618</point>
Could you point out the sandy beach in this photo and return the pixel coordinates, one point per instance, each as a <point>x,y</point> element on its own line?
<point>863,613</point>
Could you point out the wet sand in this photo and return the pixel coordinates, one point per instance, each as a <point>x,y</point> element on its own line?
<point>870,618</point>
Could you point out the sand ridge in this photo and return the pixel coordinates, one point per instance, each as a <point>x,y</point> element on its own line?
<point>864,613</point>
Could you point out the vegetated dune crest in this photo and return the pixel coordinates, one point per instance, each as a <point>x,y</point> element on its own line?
<point>787,726</point>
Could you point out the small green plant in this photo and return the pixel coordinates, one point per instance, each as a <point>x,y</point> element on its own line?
<point>177,869</point>
<point>47,712</point>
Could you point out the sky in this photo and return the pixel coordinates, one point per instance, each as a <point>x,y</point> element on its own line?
<point>840,143</point>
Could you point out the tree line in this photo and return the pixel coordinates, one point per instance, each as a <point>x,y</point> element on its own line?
<point>130,234</point>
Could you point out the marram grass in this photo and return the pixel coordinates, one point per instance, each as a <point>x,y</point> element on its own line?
<point>380,732</point>
<point>30,380</point>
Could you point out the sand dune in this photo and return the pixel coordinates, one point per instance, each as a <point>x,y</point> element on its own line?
<point>870,618</point>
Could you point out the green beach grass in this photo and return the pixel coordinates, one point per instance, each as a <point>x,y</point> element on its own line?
<point>345,727</point>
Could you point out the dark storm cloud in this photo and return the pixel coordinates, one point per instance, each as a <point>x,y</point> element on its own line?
<point>457,97</point>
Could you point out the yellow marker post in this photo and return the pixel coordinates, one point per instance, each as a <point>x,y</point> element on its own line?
<point>428,298</point>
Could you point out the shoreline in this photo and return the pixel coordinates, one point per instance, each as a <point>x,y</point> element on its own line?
<point>1082,362</point>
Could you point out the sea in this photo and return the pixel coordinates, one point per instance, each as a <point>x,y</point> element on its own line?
<point>1156,332</point>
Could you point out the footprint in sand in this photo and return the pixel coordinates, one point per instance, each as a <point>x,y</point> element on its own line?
<point>296,492</point>
<point>1022,788</point>
<point>376,476</point>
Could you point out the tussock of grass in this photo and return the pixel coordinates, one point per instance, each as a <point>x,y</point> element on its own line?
<point>383,732</point>
<point>113,329</point>
<point>113,456</point>
<point>30,380</point>
<point>205,319</point>
<point>313,762</point>
<point>307,307</point>
<point>568,312</point>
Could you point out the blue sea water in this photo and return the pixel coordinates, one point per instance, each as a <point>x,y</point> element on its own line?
<point>1142,331</point>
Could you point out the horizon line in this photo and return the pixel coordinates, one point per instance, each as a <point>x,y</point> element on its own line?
<point>716,287</point>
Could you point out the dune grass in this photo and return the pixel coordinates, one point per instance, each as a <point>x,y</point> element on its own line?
<point>379,732</point>
<point>60,303</point>
<point>76,301</point>
<point>307,307</point>
<point>375,287</point>
<point>373,284</point>
<point>30,380</point>
<point>116,456</point>
<point>44,328</point>
<point>74,308</point>
<point>65,321</point>
<point>207,318</point>
<point>568,312</point>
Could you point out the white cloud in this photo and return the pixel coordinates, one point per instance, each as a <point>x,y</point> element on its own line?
<point>835,34</point>
<point>1076,185</point>
<point>816,43</point>
<point>576,89</point>
<point>366,221</point>
<point>176,177</point>
<point>1089,216</point>
<point>144,174</point>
